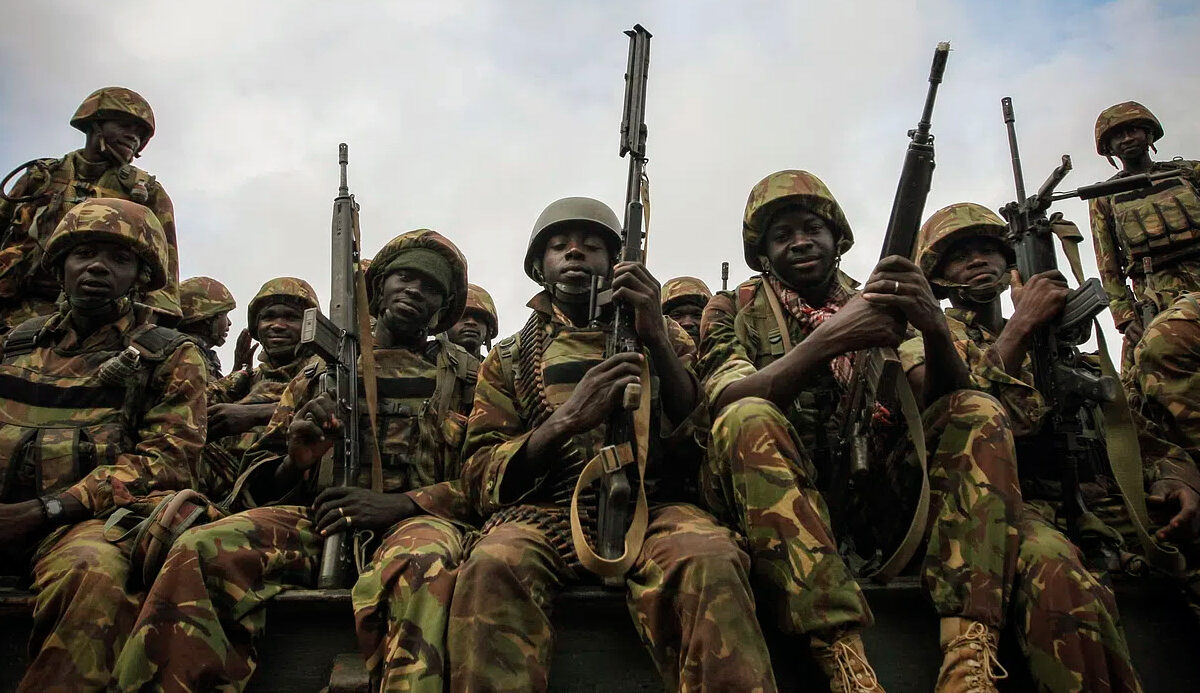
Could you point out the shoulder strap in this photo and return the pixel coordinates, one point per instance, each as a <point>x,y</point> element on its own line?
<point>23,338</point>
<point>773,301</point>
<point>156,342</point>
<point>507,354</point>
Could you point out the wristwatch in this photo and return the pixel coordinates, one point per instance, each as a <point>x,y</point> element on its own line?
<point>52,509</point>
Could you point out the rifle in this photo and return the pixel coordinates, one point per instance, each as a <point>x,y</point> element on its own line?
<point>724,276</point>
<point>336,339</point>
<point>877,371</point>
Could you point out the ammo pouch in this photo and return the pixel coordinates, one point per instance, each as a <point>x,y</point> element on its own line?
<point>1164,218</point>
<point>154,522</point>
<point>45,460</point>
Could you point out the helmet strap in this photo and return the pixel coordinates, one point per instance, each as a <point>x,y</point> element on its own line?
<point>1111,162</point>
<point>981,294</point>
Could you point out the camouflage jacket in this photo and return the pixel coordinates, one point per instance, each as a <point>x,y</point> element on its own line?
<point>424,400</point>
<point>509,404</point>
<point>740,336</point>
<point>80,434</point>
<point>976,346</point>
<point>213,361</point>
<point>264,385</point>
<point>1131,228</point>
<point>65,182</point>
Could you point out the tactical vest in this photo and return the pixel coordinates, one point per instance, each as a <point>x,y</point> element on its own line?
<point>54,429</point>
<point>1157,222</point>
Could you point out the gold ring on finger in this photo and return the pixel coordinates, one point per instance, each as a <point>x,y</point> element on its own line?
<point>342,511</point>
<point>895,286</point>
<point>349,520</point>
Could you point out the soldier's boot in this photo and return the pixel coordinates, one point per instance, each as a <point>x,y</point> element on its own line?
<point>844,662</point>
<point>970,664</point>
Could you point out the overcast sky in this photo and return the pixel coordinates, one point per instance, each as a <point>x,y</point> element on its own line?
<point>470,117</point>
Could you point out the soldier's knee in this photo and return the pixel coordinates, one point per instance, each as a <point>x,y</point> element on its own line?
<point>978,407</point>
<point>501,552</point>
<point>745,416</point>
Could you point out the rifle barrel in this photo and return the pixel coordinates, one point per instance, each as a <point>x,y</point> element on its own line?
<point>1010,123</point>
<point>343,160</point>
<point>936,70</point>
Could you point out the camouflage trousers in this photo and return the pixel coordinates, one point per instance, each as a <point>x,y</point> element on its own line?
<point>197,629</point>
<point>688,593</point>
<point>758,477</point>
<point>83,612</point>
<point>1065,620</point>
<point>402,604</point>
<point>1167,375</point>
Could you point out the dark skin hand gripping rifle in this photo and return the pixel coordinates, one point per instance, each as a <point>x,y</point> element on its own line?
<point>336,339</point>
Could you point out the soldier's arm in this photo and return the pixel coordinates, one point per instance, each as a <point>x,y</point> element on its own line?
<point>271,474</point>
<point>230,388</point>
<point>1108,262</point>
<point>17,249</point>
<point>168,440</point>
<point>496,435</point>
<point>680,421</point>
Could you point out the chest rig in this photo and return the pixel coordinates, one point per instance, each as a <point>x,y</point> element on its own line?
<point>1160,224</point>
<point>56,427</point>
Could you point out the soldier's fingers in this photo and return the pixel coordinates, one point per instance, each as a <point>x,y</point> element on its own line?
<point>333,524</point>
<point>327,513</point>
<point>616,360</point>
<point>306,430</point>
<point>639,270</point>
<point>330,494</point>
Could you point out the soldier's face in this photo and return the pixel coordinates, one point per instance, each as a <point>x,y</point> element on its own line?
<point>1128,141</point>
<point>124,135</point>
<point>974,262</point>
<point>469,331</point>
<point>688,316</point>
<point>100,270</point>
<point>800,248</point>
<point>278,327</point>
<point>409,301</point>
<point>573,256</point>
<point>221,325</point>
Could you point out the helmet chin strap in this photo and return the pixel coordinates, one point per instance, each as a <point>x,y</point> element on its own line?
<point>100,309</point>
<point>978,293</point>
<point>568,293</point>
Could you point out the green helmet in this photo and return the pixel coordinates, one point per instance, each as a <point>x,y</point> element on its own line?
<point>952,223</point>
<point>290,290</point>
<point>113,220</point>
<point>682,290</point>
<point>790,187</point>
<point>392,255</point>
<point>578,210</point>
<point>201,298</point>
<point>481,301</point>
<point>1121,114</point>
<point>104,103</point>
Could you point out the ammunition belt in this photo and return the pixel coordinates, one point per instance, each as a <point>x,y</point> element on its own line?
<point>554,523</point>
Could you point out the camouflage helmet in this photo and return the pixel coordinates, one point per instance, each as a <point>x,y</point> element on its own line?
<point>105,102</point>
<point>422,239</point>
<point>290,290</point>
<point>684,289</point>
<point>480,300</point>
<point>952,223</point>
<point>585,210</point>
<point>201,298</point>
<point>796,187</point>
<point>113,220</point>
<point>1122,114</point>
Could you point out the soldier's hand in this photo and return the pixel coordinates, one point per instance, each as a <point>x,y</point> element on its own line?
<point>243,352</point>
<point>598,393</point>
<point>897,283</point>
<point>312,431</point>
<point>1040,300</point>
<point>1169,496</point>
<point>20,523</point>
<point>349,507</point>
<point>231,419</point>
<point>633,284</point>
<point>1133,332</point>
<point>858,325</point>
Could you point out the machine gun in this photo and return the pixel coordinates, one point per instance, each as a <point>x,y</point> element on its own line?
<point>876,371</point>
<point>336,339</point>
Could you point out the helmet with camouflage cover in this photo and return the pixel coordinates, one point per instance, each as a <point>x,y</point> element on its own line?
<point>1122,114</point>
<point>955,222</point>
<point>783,188</point>
<point>113,220</point>
<point>108,101</point>
<point>423,250</point>
<point>684,289</point>
<point>201,298</point>
<point>480,300</point>
<point>290,290</point>
<point>571,210</point>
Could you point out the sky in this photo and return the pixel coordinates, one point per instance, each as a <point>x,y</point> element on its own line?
<point>469,117</point>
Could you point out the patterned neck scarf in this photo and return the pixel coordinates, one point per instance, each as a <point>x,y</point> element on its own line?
<point>810,317</point>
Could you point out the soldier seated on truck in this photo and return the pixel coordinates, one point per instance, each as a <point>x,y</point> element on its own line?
<point>204,611</point>
<point>777,357</point>
<point>478,325</point>
<point>964,253</point>
<point>96,404</point>
<point>542,402</point>
<point>205,303</point>
<point>683,300</point>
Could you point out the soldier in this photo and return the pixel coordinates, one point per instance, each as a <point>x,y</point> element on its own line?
<point>204,611</point>
<point>478,326</point>
<point>205,304</point>
<point>117,123</point>
<point>240,405</point>
<point>683,300</point>
<point>541,404</point>
<point>777,430</point>
<point>96,404</point>
<point>964,253</point>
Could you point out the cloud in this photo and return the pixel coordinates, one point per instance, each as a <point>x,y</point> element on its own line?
<point>469,117</point>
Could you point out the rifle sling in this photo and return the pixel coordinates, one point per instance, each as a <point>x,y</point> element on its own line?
<point>366,345</point>
<point>773,301</point>
<point>1124,452</point>
<point>614,459</point>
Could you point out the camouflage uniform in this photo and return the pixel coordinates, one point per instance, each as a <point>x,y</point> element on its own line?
<point>73,423</point>
<point>688,591</point>
<point>53,186</point>
<point>206,608</point>
<point>264,385</point>
<point>685,290</point>
<point>200,299</point>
